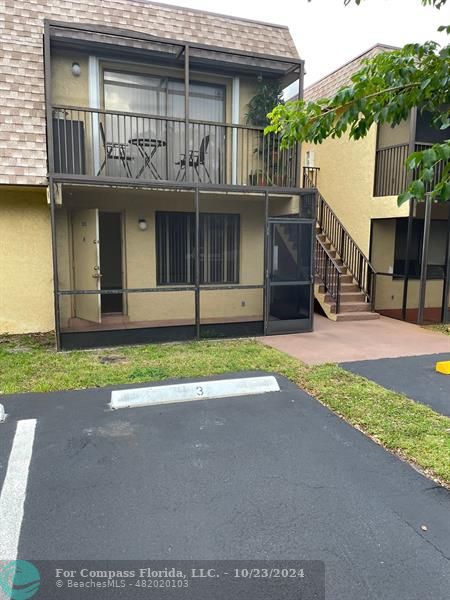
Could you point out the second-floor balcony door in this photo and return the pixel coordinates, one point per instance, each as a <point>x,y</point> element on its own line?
<point>206,140</point>
<point>149,141</point>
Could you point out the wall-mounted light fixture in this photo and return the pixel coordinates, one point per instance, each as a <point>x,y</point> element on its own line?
<point>76,69</point>
<point>142,224</point>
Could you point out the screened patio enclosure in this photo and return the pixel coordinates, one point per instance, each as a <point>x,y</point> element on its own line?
<point>137,265</point>
<point>411,256</point>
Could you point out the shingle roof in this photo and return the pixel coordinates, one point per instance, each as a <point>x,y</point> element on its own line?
<point>22,123</point>
<point>329,85</point>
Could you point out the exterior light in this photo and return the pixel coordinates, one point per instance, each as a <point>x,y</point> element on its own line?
<point>142,224</point>
<point>76,69</point>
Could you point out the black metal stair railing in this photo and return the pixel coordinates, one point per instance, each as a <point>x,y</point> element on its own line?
<point>353,258</point>
<point>328,272</point>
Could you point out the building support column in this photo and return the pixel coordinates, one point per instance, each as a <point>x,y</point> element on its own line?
<point>235,95</point>
<point>50,169</point>
<point>266,287</point>
<point>446,289</point>
<point>51,195</point>
<point>424,262</point>
<point>186,111</point>
<point>412,205</point>
<point>298,148</point>
<point>197,263</point>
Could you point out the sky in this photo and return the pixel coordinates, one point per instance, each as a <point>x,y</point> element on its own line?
<point>328,34</point>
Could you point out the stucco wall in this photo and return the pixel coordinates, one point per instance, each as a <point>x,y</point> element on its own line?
<point>345,180</point>
<point>26,280</point>
<point>140,253</point>
<point>390,136</point>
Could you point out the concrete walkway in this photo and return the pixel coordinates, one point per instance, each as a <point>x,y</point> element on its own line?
<point>338,342</point>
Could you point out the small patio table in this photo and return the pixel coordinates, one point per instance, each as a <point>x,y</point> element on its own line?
<point>148,147</point>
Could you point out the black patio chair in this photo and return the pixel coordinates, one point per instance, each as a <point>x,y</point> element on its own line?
<point>115,151</point>
<point>196,159</point>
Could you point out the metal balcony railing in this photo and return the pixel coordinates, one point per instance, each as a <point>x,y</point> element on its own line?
<point>391,175</point>
<point>109,144</point>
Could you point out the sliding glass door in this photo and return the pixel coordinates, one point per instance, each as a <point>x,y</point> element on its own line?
<point>133,140</point>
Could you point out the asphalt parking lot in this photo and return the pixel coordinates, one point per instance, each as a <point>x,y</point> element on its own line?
<point>271,476</point>
<point>414,376</point>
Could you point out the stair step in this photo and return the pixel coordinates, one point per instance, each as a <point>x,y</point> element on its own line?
<point>349,288</point>
<point>346,307</point>
<point>346,279</point>
<point>357,297</point>
<point>357,316</point>
<point>354,306</point>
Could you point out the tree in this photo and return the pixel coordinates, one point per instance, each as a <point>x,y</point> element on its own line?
<point>384,90</point>
<point>269,94</point>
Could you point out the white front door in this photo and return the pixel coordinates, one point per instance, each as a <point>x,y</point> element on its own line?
<point>86,262</point>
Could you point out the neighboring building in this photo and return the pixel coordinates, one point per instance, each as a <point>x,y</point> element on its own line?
<point>360,181</point>
<point>136,203</point>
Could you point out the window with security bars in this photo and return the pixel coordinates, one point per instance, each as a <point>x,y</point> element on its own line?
<point>175,248</point>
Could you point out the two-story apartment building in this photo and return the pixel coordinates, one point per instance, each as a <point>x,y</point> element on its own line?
<point>407,248</point>
<point>137,202</point>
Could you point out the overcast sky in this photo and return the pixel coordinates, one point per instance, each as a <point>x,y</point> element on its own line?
<point>328,34</point>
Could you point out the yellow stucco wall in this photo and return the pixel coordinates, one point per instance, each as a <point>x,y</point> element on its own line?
<point>139,249</point>
<point>66,88</point>
<point>390,136</point>
<point>26,280</point>
<point>345,180</point>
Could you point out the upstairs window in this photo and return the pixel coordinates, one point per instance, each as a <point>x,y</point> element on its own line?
<point>175,248</point>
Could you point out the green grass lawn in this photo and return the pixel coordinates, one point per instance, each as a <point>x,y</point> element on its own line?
<point>440,327</point>
<point>411,430</point>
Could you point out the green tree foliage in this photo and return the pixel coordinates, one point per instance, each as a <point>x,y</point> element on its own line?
<point>269,94</point>
<point>384,90</point>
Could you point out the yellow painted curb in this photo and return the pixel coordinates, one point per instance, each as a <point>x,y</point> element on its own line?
<point>443,367</point>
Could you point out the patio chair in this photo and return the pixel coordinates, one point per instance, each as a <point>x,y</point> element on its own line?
<point>115,151</point>
<point>196,159</point>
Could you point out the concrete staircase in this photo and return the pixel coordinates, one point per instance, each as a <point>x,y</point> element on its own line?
<point>353,304</point>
